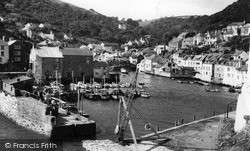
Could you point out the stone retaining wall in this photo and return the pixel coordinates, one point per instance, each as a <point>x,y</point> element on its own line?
<point>27,112</point>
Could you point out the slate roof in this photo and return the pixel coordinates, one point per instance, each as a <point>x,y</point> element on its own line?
<point>13,81</point>
<point>49,52</point>
<point>243,68</point>
<point>76,52</point>
<point>158,59</point>
<point>175,40</point>
<point>236,24</point>
<point>237,53</point>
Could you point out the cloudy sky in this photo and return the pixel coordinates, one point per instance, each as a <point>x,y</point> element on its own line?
<point>152,9</point>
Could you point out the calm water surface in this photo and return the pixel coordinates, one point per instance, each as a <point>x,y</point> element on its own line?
<point>170,101</point>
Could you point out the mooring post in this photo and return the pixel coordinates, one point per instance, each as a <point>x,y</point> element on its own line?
<point>213,113</point>
<point>194,118</point>
<point>182,121</point>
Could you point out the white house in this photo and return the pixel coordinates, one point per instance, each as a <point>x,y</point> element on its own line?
<point>197,65</point>
<point>208,66</point>
<point>235,26</point>
<point>149,63</point>
<point>141,65</point>
<point>4,52</point>
<point>245,30</point>
<point>231,75</point>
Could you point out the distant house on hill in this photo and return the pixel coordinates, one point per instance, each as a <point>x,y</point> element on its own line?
<point>235,27</point>
<point>50,36</point>
<point>198,39</point>
<point>187,42</point>
<point>245,30</point>
<point>175,43</point>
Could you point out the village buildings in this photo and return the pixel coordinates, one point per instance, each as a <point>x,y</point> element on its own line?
<point>77,63</point>
<point>46,63</point>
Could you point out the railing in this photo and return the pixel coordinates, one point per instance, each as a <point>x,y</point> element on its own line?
<point>230,107</point>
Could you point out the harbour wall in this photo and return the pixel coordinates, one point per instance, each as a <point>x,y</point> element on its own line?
<point>27,112</point>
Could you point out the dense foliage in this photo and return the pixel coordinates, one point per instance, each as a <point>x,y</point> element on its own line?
<point>77,21</point>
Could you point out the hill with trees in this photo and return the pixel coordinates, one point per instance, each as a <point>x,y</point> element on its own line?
<point>70,19</point>
<point>164,29</point>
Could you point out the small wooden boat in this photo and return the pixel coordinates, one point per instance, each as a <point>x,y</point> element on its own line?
<point>141,85</point>
<point>104,94</point>
<point>233,90</point>
<point>123,70</point>
<point>117,93</point>
<point>212,90</point>
<point>144,94</point>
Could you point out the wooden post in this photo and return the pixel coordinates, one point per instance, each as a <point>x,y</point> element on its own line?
<point>213,113</point>
<point>194,118</point>
<point>182,121</point>
<point>157,128</point>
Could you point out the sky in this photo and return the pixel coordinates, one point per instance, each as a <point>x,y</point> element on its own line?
<point>152,9</point>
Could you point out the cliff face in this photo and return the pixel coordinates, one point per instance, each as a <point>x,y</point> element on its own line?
<point>27,112</point>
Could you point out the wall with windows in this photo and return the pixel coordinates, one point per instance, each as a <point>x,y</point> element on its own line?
<point>4,52</point>
<point>207,72</point>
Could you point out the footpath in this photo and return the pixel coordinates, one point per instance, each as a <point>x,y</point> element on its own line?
<point>195,136</point>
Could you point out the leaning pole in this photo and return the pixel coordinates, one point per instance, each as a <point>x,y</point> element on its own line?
<point>243,104</point>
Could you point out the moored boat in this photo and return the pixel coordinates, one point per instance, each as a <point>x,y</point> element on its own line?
<point>104,94</point>
<point>212,90</point>
<point>141,85</point>
<point>116,93</point>
<point>145,94</point>
<point>123,70</point>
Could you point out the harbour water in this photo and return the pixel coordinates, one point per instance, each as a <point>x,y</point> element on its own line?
<point>170,101</point>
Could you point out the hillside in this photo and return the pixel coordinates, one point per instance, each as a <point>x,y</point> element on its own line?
<point>165,28</point>
<point>67,18</point>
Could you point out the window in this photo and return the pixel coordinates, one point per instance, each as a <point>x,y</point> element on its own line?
<point>2,47</point>
<point>17,59</point>
<point>87,61</point>
<point>56,60</point>
<point>96,73</point>
<point>2,53</point>
<point>219,75</point>
<point>228,75</point>
<point>1,60</point>
<point>17,47</point>
<point>228,69</point>
<point>17,53</point>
